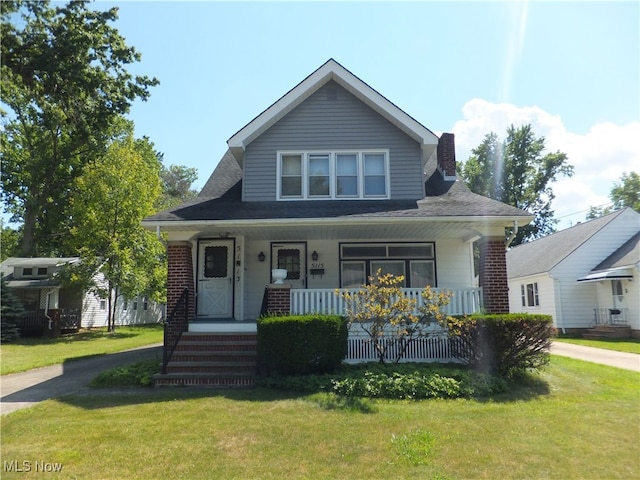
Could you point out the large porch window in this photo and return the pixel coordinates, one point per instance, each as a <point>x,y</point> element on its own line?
<point>414,261</point>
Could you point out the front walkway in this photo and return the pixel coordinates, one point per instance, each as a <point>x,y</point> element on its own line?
<point>628,361</point>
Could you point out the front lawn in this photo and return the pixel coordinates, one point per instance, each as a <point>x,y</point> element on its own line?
<point>578,421</point>
<point>629,345</point>
<point>27,353</point>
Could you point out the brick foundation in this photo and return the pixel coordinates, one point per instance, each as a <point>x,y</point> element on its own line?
<point>493,275</point>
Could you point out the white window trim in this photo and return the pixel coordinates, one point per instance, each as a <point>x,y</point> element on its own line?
<point>524,292</point>
<point>332,175</point>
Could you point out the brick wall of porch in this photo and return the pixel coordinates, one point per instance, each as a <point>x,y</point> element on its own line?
<point>493,275</point>
<point>179,277</point>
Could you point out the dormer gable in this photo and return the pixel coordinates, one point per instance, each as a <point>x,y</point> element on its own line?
<point>333,71</point>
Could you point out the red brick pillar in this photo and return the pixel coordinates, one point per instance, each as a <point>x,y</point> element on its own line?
<point>493,275</point>
<point>278,299</point>
<point>180,275</point>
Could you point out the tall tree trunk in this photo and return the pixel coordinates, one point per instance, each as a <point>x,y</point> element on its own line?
<point>27,248</point>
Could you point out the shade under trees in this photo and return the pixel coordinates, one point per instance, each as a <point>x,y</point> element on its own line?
<point>518,172</point>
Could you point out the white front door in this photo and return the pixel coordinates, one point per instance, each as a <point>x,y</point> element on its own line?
<point>292,257</point>
<point>215,279</point>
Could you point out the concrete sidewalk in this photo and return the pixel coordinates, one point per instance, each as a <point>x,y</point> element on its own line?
<point>628,361</point>
<point>22,390</point>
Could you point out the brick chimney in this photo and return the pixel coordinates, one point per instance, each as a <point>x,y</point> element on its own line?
<point>447,156</point>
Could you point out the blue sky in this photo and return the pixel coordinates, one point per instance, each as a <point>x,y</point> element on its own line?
<point>571,69</point>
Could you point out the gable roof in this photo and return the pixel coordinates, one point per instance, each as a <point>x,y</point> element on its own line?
<point>543,254</point>
<point>332,70</point>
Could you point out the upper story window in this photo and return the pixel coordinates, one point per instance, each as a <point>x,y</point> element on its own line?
<point>333,175</point>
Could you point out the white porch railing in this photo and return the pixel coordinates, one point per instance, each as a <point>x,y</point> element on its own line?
<point>325,300</point>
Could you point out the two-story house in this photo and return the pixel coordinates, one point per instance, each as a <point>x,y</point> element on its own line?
<point>331,183</point>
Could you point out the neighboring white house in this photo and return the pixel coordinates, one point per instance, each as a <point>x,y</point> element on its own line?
<point>585,275</point>
<point>33,280</point>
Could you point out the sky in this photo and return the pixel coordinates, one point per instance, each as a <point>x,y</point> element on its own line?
<point>571,69</point>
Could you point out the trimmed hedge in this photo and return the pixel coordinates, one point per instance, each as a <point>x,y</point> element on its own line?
<point>505,344</point>
<point>302,344</point>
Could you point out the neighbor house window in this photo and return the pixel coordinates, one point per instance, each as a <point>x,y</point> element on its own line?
<point>333,175</point>
<point>529,295</point>
<point>414,261</point>
<point>27,272</point>
<point>103,305</point>
<point>42,271</point>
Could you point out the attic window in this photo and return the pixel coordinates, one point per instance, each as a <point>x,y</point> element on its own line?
<point>42,271</point>
<point>27,272</point>
<point>333,175</point>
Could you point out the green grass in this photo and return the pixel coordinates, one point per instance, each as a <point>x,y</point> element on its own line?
<point>629,345</point>
<point>578,421</point>
<point>28,353</point>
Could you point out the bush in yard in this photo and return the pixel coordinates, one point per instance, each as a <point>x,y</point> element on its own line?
<point>11,310</point>
<point>384,313</point>
<point>503,344</point>
<point>302,344</point>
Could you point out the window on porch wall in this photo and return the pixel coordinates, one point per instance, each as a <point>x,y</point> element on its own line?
<point>415,261</point>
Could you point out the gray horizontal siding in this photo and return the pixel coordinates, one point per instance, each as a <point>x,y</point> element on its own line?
<point>332,119</point>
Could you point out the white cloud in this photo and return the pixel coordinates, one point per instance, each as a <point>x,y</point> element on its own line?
<point>599,157</point>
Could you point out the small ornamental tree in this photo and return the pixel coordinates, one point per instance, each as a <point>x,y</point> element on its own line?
<point>11,310</point>
<point>388,317</point>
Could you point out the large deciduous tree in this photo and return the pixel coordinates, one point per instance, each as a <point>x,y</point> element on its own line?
<point>176,183</point>
<point>114,193</point>
<point>65,83</point>
<point>625,193</point>
<point>516,171</point>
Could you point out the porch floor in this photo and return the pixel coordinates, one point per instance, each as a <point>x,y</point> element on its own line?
<point>222,325</point>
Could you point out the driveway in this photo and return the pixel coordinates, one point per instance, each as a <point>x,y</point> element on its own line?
<point>628,361</point>
<point>22,390</point>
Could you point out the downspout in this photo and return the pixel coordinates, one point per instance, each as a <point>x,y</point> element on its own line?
<point>513,234</point>
<point>558,297</point>
<point>46,308</point>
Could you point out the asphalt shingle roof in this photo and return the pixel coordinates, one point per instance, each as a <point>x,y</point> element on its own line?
<point>542,255</point>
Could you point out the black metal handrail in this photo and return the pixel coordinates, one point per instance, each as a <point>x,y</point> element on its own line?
<point>175,324</point>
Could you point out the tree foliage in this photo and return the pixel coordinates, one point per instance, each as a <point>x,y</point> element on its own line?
<point>114,193</point>
<point>9,242</point>
<point>625,193</point>
<point>11,311</point>
<point>65,83</point>
<point>516,171</point>
<point>176,182</point>
<point>390,319</point>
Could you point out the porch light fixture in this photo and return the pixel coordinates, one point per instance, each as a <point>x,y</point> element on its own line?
<point>314,256</point>
<point>261,256</point>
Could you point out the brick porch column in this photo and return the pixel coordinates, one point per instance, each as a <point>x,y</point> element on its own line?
<point>180,275</point>
<point>493,275</point>
<point>278,299</point>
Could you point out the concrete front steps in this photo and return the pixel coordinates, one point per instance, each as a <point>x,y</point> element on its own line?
<point>221,359</point>
<point>600,332</point>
